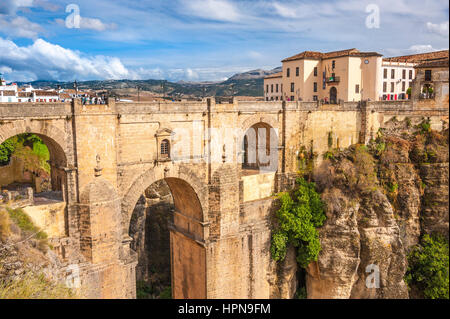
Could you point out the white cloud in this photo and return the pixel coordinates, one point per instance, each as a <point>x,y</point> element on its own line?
<point>441,29</point>
<point>10,7</point>
<point>191,74</point>
<point>421,48</point>
<point>19,27</point>
<point>220,10</point>
<point>90,24</point>
<point>44,60</point>
<point>46,5</point>
<point>285,11</point>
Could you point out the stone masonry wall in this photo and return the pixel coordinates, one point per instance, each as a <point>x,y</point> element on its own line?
<point>120,143</point>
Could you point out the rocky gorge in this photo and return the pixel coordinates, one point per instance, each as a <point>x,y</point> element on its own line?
<point>381,199</point>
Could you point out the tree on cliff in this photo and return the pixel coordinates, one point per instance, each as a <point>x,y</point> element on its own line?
<point>300,213</point>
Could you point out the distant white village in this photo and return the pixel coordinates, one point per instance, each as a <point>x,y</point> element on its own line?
<point>12,93</point>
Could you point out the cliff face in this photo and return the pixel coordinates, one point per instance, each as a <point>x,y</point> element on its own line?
<point>380,200</point>
<point>29,269</point>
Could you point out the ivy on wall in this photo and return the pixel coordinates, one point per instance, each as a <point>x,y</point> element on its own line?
<point>301,212</point>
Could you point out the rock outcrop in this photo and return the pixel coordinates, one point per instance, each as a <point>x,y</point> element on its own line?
<point>380,200</point>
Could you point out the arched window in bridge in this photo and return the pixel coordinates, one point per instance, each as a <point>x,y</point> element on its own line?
<point>165,149</point>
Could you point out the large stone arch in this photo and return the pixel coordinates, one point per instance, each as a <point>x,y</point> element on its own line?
<point>53,138</point>
<point>41,128</point>
<point>187,231</point>
<point>167,173</point>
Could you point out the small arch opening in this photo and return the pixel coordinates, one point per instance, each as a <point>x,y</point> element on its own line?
<point>260,149</point>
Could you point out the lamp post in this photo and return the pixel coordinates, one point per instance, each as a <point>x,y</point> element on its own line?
<point>75,86</point>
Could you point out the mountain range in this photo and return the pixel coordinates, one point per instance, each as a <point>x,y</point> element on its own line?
<point>243,84</point>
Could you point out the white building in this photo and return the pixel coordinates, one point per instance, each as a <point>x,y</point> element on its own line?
<point>8,93</point>
<point>398,73</point>
<point>396,78</point>
<point>45,96</point>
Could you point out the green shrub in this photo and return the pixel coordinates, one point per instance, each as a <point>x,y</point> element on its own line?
<point>392,187</point>
<point>6,149</point>
<point>301,293</point>
<point>428,268</point>
<point>29,147</point>
<point>328,155</point>
<point>143,290</point>
<point>299,215</point>
<point>166,293</point>
<point>425,126</point>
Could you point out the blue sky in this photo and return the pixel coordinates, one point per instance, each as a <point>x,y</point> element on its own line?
<point>199,40</point>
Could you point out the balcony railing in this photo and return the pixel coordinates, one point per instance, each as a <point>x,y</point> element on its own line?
<point>333,79</point>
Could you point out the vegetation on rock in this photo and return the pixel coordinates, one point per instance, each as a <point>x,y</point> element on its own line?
<point>28,147</point>
<point>24,260</point>
<point>30,286</point>
<point>300,213</point>
<point>428,269</point>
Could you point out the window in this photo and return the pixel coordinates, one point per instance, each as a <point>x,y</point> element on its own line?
<point>297,71</point>
<point>404,74</point>
<point>267,88</point>
<point>165,148</point>
<point>276,88</point>
<point>315,71</point>
<point>292,87</point>
<point>271,88</point>
<point>384,87</point>
<point>410,84</point>
<point>333,64</point>
<point>357,89</point>
<point>315,86</point>
<point>385,73</point>
<point>427,75</point>
<point>292,98</point>
<point>288,72</point>
<point>392,87</point>
<point>393,74</point>
<point>315,98</point>
<point>403,86</point>
<point>281,88</point>
<point>410,74</point>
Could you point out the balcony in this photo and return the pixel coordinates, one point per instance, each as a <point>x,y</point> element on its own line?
<point>333,79</point>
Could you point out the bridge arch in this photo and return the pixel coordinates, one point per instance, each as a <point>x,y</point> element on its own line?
<point>187,226</point>
<point>43,129</point>
<point>169,172</point>
<point>53,138</point>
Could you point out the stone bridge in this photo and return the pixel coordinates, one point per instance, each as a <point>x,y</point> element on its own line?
<point>103,157</point>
